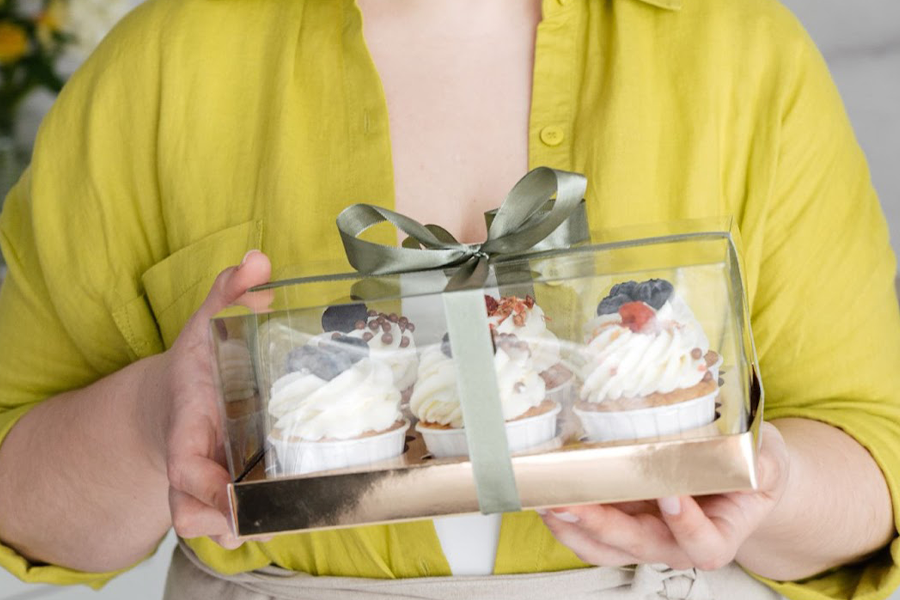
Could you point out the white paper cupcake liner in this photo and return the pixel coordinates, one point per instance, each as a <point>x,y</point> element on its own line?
<point>563,393</point>
<point>521,434</point>
<point>603,426</point>
<point>301,457</point>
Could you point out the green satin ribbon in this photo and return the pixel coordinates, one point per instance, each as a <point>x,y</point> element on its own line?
<point>526,221</point>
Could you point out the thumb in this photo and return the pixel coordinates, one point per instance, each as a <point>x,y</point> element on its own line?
<point>232,283</point>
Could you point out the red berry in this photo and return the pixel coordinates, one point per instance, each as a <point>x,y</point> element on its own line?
<point>491,303</point>
<point>636,315</point>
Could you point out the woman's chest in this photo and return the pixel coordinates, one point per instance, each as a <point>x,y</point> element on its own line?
<point>458,96</point>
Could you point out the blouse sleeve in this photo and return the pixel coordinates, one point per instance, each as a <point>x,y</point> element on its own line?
<point>73,231</point>
<point>824,312</point>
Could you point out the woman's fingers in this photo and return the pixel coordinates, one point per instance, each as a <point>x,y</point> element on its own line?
<point>192,518</point>
<point>231,285</point>
<point>583,544</point>
<point>202,478</point>
<point>709,544</point>
<point>641,535</point>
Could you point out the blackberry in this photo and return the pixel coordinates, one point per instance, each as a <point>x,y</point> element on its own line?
<point>654,292</point>
<point>343,317</point>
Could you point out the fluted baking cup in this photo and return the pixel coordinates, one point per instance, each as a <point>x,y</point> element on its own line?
<point>300,457</point>
<point>608,426</point>
<point>521,434</point>
<point>563,393</point>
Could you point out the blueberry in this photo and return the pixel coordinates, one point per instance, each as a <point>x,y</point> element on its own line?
<point>313,360</point>
<point>445,346</point>
<point>654,292</point>
<point>343,317</point>
<point>611,304</point>
<point>352,348</point>
<point>621,293</point>
<point>329,358</point>
<point>626,287</point>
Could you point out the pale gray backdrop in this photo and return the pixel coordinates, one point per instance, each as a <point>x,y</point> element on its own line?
<point>860,40</point>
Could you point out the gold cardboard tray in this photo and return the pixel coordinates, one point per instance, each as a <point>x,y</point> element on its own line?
<point>699,462</point>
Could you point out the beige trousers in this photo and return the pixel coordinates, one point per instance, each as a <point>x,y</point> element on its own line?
<point>190,579</point>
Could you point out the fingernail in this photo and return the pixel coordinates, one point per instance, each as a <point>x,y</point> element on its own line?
<point>244,260</point>
<point>540,511</point>
<point>566,516</point>
<point>670,505</point>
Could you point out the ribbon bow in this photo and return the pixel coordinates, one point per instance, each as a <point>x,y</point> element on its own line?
<point>522,224</point>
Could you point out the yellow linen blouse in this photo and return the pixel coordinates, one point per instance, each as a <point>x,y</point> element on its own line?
<point>203,128</point>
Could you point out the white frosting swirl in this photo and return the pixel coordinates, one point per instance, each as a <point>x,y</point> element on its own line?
<point>435,398</point>
<point>404,362</point>
<point>544,344</point>
<point>362,398</point>
<point>621,363</point>
<point>677,311</point>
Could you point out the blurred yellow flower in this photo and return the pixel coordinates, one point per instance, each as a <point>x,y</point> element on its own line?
<point>49,22</point>
<point>13,43</point>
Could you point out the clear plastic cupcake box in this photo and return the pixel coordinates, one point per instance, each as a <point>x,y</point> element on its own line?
<point>624,370</point>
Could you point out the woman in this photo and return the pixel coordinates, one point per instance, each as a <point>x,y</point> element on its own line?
<point>203,129</point>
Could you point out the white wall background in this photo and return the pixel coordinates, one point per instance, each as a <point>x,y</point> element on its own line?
<point>860,40</point>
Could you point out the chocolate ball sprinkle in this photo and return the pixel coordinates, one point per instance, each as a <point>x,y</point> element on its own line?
<point>360,325</point>
<point>411,327</point>
<point>368,336</point>
<point>373,325</point>
<point>393,318</point>
<point>372,313</point>
<point>404,342</point>
<point>385,327</point>
<point>696,353</point>
<point>387,338</point>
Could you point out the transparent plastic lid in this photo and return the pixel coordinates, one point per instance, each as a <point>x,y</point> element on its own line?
<point>621,343</point>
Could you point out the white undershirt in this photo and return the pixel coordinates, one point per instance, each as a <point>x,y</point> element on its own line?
<point>469,542</point>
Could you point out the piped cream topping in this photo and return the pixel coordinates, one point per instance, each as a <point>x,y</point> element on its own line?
<point>530,327</point>
<point>363,398</point>
<point>435,398</point>
<point>622,363</point>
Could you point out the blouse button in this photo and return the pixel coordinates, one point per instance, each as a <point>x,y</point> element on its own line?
<point>552,135</point>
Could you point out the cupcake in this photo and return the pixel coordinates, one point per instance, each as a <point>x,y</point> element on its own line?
<point>523,318</point>
<point>236,376</point>
<point>389,337</point>
<point>646,366</point>
<point>243,419</point>
<point>530,416</point>
<point>335,408</point>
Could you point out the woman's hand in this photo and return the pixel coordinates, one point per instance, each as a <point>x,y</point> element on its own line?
<point>189,426</point>
<point>705,533</point>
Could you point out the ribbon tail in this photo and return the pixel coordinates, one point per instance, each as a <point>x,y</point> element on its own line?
<point>476,380</point>
<point>471,274</point>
